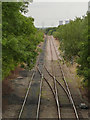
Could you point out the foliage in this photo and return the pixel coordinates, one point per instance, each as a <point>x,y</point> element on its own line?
<point>19,37</point>
<point>74,43</point>
<point>84,59</point>
<point>50,30</point>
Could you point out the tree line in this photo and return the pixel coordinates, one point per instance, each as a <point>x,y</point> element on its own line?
<point>19,37</point>
<point>73,39</point>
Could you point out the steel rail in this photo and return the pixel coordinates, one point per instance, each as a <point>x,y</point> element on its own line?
<point>46,81</point>
<point>26,95</point>
<point>55,87</point>
<point>75,110</point>
<point>39,101</point>
<point>58,82</point>
<point>54,94</point>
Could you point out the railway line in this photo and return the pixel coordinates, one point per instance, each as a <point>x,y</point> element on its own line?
<point>60,90</point>
<point>55,85</point>
<point>64,87</point>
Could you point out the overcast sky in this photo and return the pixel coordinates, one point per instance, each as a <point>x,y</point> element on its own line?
<point>48,14</point>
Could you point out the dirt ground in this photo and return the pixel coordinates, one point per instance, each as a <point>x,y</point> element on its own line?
<point>6,85</point>
<point>14,89</point>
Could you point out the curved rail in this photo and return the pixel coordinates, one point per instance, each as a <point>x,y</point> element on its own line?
<point>54,94</point>
<point>46,81</point>
<point>58,82</point>
<point>54,91</point>
<point>75,110</point>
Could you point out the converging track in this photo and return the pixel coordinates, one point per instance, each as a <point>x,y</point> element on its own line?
<point>61,95</point>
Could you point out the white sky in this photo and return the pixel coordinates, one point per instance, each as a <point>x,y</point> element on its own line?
<point>48,14</point>
<point>60,0</point>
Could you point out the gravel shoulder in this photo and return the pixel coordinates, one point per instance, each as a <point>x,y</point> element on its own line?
<point>13,99</point>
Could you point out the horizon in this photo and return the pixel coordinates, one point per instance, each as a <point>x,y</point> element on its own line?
<point>48,14</point>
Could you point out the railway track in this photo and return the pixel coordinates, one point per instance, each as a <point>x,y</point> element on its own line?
<point>54,92</point>
<point>65,87</point>
<point>66,84</point>
<point>32,102</point>
<point>55,85</point>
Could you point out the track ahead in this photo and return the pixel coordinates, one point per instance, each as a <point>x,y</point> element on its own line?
<point>31,105</point>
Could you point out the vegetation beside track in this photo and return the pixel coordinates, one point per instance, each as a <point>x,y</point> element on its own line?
<point>19,37</point>
<point>73,39</point>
